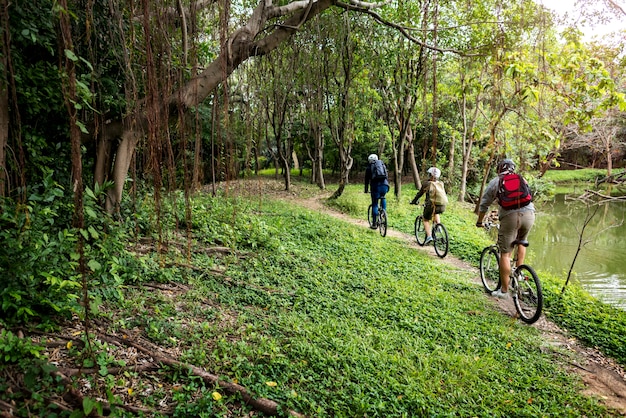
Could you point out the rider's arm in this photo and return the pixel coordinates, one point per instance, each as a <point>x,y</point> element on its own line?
<point>419,194</point>
<point>489,196</point>
<point>368,177</point>
<point>481,216</point>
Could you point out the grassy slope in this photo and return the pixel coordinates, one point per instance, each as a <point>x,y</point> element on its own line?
<point>349,324</point>
<point>330,319</point>
<point>593,322</point>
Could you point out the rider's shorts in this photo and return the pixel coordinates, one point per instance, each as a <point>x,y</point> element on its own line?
<point>514,226</point>
<point>429,209</point>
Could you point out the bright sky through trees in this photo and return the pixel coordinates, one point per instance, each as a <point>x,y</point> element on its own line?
<point>578,11</point>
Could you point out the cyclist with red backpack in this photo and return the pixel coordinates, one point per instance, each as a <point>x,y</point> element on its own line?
<point>516,214</point>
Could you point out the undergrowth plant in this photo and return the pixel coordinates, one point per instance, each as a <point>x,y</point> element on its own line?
<point>339,322</point>
<point>325,318</point>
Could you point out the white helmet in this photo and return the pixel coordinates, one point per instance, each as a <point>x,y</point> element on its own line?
<point>372,158</point>
<point>434,172</point>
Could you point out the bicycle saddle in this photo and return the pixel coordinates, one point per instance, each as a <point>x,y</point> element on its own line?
<point>520,242</point>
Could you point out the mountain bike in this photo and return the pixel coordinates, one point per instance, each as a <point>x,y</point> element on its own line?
<point>381,220</point>
<point>439,234</point>
<point>524,283</point>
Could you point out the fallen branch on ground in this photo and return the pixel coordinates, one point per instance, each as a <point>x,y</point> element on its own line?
<point>264,405</point>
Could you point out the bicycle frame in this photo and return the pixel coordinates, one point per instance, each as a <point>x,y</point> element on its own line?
<point>439,234</point>
<point>381,219</point>
<point>524,283</point>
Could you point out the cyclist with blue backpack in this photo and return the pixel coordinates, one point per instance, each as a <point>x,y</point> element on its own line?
<point>516,215</point>
<point>376,180</point>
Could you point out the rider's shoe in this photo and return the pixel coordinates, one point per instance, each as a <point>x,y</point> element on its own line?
<point>500,294</point>
<point>374,226</point>
<point>428,240</point>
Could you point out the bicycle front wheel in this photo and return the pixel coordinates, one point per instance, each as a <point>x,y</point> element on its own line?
<point>527,294</point>
<point>489,269</point>
<point>440,240</point>
<point>382,222</point>
<point>370,216</point>
<point>420,231</point>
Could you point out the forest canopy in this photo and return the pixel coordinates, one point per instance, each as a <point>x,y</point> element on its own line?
<point>193,92</point>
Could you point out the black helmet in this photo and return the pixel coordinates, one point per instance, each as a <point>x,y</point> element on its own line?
<point>506,166</point>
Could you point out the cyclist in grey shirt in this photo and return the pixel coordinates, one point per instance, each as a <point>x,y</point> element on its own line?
<point>515,224</point>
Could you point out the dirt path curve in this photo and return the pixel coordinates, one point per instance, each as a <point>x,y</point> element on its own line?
<point>602,376</point>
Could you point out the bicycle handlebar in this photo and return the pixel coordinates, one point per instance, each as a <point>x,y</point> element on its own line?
<point>488,224</point>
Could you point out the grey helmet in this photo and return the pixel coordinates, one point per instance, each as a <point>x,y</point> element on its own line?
<point>372,158</point>
<point>506,166</point>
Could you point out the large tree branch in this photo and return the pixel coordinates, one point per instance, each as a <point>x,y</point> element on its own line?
<point>352,6</point>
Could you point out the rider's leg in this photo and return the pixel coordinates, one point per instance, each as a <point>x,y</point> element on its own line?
<point>428,216</point>
<point>506,235</point>
<point>525,220</point>
<point>436,219</point>
<point>505,270</point>
<point>383,191</point>
<point>427,228</point>
<point>521,253</point>
<point>374,195</point>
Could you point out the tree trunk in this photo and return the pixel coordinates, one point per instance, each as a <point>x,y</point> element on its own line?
<point>4,94</point>
<point>414,170</point>
<point>609,158</point>
<point>468,136</point>
<point>123,157</point>
<point>240,46</point>
<point>4,128</point>
<point>435,123</point>
<point>319,159</point>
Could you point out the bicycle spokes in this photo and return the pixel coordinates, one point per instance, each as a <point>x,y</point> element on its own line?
<point>527,296</point>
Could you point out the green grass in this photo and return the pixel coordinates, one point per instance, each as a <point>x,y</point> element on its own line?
<point>591,321</point>
<point>348,324</point>
<point>330,319</point>
<point>575,176</point>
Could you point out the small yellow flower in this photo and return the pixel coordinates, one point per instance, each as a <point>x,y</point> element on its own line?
<point>271,384</point>
<point>216,396</point>
<point>130,391</point>
<point>69,345</point>
<point>508,345</point>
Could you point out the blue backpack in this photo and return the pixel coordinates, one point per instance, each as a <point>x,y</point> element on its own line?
<point>379,171</point>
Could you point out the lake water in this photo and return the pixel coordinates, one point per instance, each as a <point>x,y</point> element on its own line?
<point>601,263</point>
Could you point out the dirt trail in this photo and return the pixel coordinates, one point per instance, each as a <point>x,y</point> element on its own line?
<point>603,377</point>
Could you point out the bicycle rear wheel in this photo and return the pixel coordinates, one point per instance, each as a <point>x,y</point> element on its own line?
<point>527,294</point>
<point>370,216</point>
<point>382,222</point>
<point>489,269</point>
<point>440,240</point>
<point>420,232</point>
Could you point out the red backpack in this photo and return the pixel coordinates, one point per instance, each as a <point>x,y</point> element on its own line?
<point>513,191</point>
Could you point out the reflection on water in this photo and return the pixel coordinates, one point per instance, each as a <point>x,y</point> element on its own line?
<point>599,266</point>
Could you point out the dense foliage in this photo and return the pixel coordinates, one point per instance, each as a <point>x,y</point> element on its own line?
<point>169,97</point>
<point>323,317</point>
